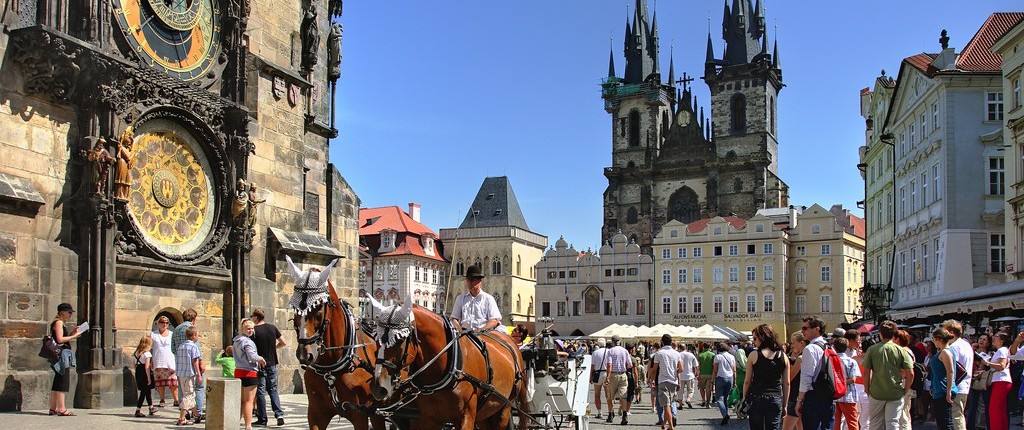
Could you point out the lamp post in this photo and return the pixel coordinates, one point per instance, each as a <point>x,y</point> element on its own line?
<point>876,299</point>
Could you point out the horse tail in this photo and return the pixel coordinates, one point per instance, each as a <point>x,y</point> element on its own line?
<point>524,402</point>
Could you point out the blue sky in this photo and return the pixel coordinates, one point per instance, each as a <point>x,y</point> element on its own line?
<point>435,96</point>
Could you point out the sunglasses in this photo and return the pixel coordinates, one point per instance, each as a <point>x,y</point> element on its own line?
<point>804,328</point>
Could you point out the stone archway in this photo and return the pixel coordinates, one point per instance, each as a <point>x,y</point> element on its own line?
<point>684,206</point>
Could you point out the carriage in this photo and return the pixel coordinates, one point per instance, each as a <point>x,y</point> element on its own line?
<point>560,386</point>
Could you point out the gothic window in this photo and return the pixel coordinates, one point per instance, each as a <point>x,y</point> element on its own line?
<point>459,268</point>
<point>738,111</point>
<point>496,266</point>
<point>519,265</point>
<point>592,300</point>
<point>497,299</point>
<point>771,114</point>
<point>634,128</point>
<point>737,185</point>
<point>631,215</point>
<point>664,121</point>
<point>683,205</point>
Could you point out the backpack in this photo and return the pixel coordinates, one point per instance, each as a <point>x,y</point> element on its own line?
<point>918,383</point>
<point>831,379</point>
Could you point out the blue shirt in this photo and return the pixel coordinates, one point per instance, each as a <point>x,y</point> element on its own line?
<point>937,374</point>
<point>186,354</point>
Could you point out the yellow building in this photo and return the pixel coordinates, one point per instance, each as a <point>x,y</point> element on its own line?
<point>744,272</point>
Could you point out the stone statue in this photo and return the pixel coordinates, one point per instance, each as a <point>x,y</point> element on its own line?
<point>125,163</point>
<point>101,161</point>
<point>239,204</point>
<point>253,202</point>
<point>310,38</point>
<point>334,52</point>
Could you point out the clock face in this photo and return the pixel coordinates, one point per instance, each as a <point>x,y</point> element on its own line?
<point>178,37</point>
<point>172,200</point>
<point>683,118</point>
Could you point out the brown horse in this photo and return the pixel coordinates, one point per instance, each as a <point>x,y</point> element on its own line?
<point>461,382</point>
<point>336,356</point>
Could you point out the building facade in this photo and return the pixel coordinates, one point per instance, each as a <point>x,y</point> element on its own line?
<point>669,161</point>
<point>945,120</point>
<point>495,236</point>
<point>400,257</point>
<point>777,267</point>
<point>139,182</point>
<point>584,292</point>
<point>1011,48</point>
<point>876,165</point>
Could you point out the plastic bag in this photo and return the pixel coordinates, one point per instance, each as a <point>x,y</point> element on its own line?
<point>735,396</point>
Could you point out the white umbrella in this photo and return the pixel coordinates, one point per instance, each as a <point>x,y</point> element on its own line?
<point>607,331</point>
<point>1006,319</point>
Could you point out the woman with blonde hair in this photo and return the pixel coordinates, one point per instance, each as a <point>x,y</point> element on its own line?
<point>163,361</point>
<point>65,361</point>
<point>247,364</point>
<point>144,375</point>
<point>790,420</point>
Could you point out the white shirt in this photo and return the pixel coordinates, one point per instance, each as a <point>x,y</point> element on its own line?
<point>474,312</point>
<point>965,356</point>
<point>163,357</point>
<point>810,364</point>
<point>668,364</point>
<point>598,359</point>
<point>1001,375</point>
<point>726,364</point>
<point>689,364</point>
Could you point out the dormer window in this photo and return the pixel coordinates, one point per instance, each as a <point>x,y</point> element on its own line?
<point>428,245</point>
<point>490,196</point>
<point>387,240</point>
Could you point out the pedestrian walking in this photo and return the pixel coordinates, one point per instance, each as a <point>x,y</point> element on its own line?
<point>706,381</point>
<point>666,365</point>
<point>941,374</point>
<point>887,376</point>
<point>766,384</point>
<point>724,373</point>
<point>599,360</point>
<point>687,378</point>
<point>815,408</point>
<point>268,340</point>
<point>619,363</point>
<point>144,375</point>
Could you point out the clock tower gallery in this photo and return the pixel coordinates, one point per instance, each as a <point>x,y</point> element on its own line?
<point>161,155</point>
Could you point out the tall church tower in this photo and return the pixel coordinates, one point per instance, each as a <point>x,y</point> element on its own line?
<point>745,86</point>
<point>668,160</point>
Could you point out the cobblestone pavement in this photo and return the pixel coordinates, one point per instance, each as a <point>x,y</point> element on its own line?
<point>642,417</point>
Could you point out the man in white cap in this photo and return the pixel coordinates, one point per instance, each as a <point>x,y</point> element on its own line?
<point>598,359</point>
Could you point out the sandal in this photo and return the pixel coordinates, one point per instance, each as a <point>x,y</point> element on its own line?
<point>66,413</point>
<point>162,404</point>
<point>184,423</point>
<point>53,412</point>
<point>139,414</point>
<point>152,411</point>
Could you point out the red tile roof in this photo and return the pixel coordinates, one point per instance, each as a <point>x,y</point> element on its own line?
<point>410,245</point>
<point>859,229</point>
<point>699,225</point>
<point>977,55</point>
<point>389,217</point>
<point>923,62</point>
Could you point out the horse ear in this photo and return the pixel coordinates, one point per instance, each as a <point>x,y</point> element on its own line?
<point>326,272</point>
<point>407,306</point>
<point>376,305</point>
<point>295,270</point>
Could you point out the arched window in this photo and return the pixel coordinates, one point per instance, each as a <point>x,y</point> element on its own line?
<point>496,266</point>
<point>683,205</point>
<point>497,299</point>
<point>519,302</point>
<point>664,122</point>
<point>631,215</point>
<point>738,112</point>
<point>460,269</point>
<point>634,128</point>
<point>519,266</point>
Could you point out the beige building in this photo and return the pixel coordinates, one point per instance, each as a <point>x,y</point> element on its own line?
<point>777,267</point>
<point>131,226</point>
<point>876,166</point>
<point>1011,47</point>
<point>400,256</point>
<point>584,292</point>
<point>495,236</point>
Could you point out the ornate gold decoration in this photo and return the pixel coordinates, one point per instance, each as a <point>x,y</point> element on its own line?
<point>170,193</point>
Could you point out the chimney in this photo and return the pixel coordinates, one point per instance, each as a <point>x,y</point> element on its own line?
<point>792,217</point>
<point>414,211</point>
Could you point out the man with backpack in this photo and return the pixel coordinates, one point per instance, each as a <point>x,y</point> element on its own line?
<point>888,373</point>
<point>815,405</point>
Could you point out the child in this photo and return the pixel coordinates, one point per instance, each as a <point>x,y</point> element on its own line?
<point>226,360</point>
<point>144,375</point>
<point>846,406</point>
<point>188,366</point>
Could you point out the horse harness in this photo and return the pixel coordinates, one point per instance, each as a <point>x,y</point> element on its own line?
<point>347,363</point>
<point>408,390</point>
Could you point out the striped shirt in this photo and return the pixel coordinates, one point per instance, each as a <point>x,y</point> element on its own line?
<point>187,353</point>
<point>619,360</point>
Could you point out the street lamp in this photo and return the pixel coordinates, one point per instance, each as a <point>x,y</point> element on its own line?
<point>876,298</point>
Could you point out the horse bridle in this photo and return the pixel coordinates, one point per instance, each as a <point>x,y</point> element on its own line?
<point>395,368</point>
<point>345,363</point>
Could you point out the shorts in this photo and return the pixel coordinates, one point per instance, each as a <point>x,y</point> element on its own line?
<point>617,384</point>
<point>249,377</point>
<point>706,382</point>
<point>187,390</point>
<point>666,393</point>
<point>791,409</point>
<point>165,378</point>
<point>249,382</point>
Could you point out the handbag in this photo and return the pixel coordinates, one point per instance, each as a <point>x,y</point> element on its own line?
<point>49,349</point>
<point>982,381</point>
<point>744,407</point>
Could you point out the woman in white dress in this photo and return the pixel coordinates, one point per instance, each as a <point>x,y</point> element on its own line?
<point>163,361</point>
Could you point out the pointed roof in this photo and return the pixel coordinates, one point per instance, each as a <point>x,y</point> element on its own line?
<point>373,220</point>
<point>495,206</point>
<point>611,64</point>
<point>671,67</point>
<point>711,51</point>
<point>977,55</point>
<point>775,55</point>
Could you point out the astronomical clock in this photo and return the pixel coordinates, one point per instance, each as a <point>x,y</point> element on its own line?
<point>178,37</point>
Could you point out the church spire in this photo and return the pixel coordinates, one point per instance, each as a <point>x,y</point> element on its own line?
<point>671,66</point>
<point>640,46</point>
<point>611,63</point>
<point>654,48</point>
<point>776,64</point>
<point>742,32</point>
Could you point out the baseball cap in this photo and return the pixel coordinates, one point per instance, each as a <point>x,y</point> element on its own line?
<point>65,307</point>
<point>601,341</point>
<point>616,339</point>
<point>838,332</point>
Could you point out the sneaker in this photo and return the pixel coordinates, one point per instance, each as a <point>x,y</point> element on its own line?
<point>610,416</point>
<point>259,423</point>
<point>688,405</point>
<point>200,418</point>
<point>280,421</point>
<point>725,420</point>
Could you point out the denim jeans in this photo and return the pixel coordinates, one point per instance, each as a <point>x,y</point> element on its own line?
<point>723,386</point>
<point>818,412</point>
<point>976,410</point>
<point>765,412</point>
<point>943,413</point>
<point>267,383</point>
